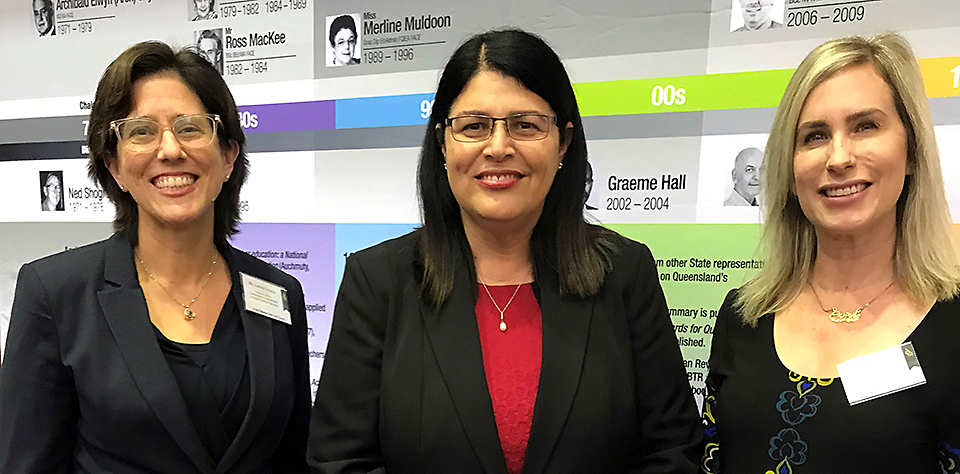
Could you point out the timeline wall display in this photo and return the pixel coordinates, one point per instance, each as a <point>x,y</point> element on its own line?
<point>677,98</point>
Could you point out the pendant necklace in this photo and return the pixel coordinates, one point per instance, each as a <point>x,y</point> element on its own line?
<point>188,314</point>
<point>503,324</point>
<point>838,316</point>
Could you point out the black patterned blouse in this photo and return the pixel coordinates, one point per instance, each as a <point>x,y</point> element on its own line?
<point>760,417</point>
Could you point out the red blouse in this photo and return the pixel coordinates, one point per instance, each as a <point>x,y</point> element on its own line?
<point>511,362</point>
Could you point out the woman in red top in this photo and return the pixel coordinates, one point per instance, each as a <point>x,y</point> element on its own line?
<point>506,335</point>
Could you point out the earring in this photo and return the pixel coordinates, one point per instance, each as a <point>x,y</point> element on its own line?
<point>445,167</point>
<point>122,189</point>
<point>560,166</point>
<point>226,179</point>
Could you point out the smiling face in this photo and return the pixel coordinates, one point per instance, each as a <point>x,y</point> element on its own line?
<point>756,13</point>
<point>501,179</point>
<point>344,43</point>
<point>52,190</point>
<point>202,6</point>
<point>172,185</point>
<point>746,173</point>
<point>850,158</point>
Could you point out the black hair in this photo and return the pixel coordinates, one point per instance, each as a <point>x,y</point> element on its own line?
<point>562,240</point>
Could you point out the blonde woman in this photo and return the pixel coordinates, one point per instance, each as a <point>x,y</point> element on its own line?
<point>859,260</point>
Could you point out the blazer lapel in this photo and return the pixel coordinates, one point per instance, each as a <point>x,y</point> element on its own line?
<point>258,331</point>
<point>125,310</point>
<point>452,333</point>
<point>566,322</point>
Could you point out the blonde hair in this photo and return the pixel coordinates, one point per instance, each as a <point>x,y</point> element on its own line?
<point>925,262</point>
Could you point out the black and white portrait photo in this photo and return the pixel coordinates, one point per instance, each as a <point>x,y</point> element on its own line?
<point>210,46</point>
<point>588,189</point>
<point>746,178</point>
<point>343,40</point>
<point>202,10</point>
<point>51,190</point>
<point>43,17</point>
<point>753,15</point>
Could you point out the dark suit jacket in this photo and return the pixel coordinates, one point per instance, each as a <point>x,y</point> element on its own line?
<point>85,388</point>
<point>403,388</point>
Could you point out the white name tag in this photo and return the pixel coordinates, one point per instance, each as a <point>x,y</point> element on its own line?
<point>265,298</point>
<point>881,373</point>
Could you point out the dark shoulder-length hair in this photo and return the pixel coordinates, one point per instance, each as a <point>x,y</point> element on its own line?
<point>114,100</point>
<point>562,240</point>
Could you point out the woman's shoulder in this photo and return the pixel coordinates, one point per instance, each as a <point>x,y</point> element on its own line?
<point>729,318</point>
<point>63,279</point>
<point>385,271</point>
<point>943,318</point>
<point>623,251</point>
<point>83,261</point>
<point>389,252</point>
<point>950,306</point>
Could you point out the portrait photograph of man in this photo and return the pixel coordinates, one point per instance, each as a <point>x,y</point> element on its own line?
<point>43,17</point>
<point>210,46</point>
<point>51,190</point>
<point>202,10</point>
<point>754,15</point>
<point>343,40</point>
<point>746,178</point>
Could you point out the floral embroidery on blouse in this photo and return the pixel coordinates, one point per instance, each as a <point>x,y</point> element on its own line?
<point>711,453</point>
<point>794,407</point>
<point>949,459</point>
<point>787,447</point>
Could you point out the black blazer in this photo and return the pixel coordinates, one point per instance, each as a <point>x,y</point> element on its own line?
<point>403,388</point>
<point>85,388</point>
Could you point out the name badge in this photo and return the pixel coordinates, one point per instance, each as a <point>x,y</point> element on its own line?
<point>881,373</point>
<point>265,298</point>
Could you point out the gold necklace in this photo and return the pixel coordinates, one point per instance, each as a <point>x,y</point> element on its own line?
<point>188,313</point>
<point>838,316</point>
<point>503,324</point>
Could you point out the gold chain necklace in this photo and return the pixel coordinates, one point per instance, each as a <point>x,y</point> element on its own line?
<point>838,316</point>
<point>188,313</point>
<point>503,324</point>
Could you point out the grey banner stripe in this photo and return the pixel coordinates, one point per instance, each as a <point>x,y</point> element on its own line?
<point>612,127</point>
<point>945,111</point>
<point>47,129</point>
<point>738,121</point>
<point>344,139</point>
<point>681,124</point>
<point>40,151</point>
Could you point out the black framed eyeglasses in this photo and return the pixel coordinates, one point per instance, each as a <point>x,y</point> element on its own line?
<point>477,128</point>
<point>141,134</point>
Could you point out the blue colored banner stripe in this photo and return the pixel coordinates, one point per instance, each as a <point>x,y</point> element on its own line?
<point>388,111</point>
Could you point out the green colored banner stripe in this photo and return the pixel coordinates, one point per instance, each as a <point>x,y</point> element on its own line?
<point>739,90</point>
